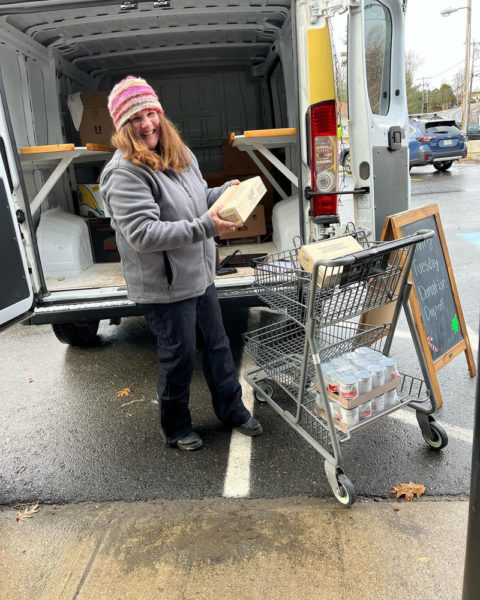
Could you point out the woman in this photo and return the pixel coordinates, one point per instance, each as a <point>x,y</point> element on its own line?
<point>160,210</point>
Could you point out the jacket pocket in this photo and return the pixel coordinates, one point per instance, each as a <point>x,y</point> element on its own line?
<point>168,269</point>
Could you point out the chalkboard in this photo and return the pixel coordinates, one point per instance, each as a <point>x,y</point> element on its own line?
<point>434,291</point>
<point>434,301</point>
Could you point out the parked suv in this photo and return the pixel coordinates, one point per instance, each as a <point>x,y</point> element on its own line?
<point>435,142</point>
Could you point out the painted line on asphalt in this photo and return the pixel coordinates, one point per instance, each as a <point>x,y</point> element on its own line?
<point>237,477</point>
<point>453,431</point>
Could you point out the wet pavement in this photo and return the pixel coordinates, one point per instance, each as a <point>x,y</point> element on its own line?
<point>67,437</point>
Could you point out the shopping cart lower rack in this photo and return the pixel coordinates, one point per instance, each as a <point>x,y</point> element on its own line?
<point>325,325</point>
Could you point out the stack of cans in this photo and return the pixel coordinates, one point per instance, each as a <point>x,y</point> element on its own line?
<point>355,373</point>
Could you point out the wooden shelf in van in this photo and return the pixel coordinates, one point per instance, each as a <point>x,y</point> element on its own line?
<point>59,156</point>
<point>269,138</point>
<point>55,152</point>
<point>261,140</point>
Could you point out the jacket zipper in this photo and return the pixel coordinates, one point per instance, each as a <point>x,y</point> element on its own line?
<point>182,183</point>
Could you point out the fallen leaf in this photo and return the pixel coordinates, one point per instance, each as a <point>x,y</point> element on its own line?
<point>8,439</point>
<point>132,402</point>
<point>409,490</point>
<point>30,379</point>
<point>123,392</point>
<point>127,414</point>
<point>28,512</point>
<point>423,559</point>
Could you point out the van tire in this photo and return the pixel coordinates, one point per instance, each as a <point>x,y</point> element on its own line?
<point>76,334</point>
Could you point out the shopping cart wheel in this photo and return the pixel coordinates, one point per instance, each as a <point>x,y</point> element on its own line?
<point>437,437</point>
<point>345,493</point>
<point>267,389</point>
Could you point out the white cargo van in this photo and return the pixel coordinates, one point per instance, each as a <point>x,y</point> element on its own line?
<point>263,70</point>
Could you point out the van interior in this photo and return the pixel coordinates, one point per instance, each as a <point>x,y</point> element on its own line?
<point>220,67</point>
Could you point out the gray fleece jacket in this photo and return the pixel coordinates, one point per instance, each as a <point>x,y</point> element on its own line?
<point>164,232</point>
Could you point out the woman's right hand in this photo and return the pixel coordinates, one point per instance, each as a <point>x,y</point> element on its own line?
<point>222,226</point>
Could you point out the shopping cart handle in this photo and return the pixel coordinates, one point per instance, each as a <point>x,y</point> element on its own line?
<point>381,248</point>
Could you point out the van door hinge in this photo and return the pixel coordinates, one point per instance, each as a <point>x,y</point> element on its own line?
<point>20,216</point>
<point>328,8</point>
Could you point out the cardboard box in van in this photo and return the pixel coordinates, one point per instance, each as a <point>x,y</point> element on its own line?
<point>238,201</point>
<point>253,226</point>
<point>96,126</point>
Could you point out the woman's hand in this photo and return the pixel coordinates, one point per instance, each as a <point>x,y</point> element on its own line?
<point>222,226</point>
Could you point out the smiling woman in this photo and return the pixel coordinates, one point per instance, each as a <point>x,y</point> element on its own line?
<point>164,219</point>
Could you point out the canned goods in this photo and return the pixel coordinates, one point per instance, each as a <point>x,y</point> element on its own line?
<point>364,378</point>
<point>363,351</point>
<point>378,374</point>
<point>361,363</point>
<point>378,404</point>
<point>349,416</point>
<point>347,386</point>
<point>338,361</point>
<point>390,398</point>
<point>390,364</point>
<point>365,410</point>
<point>332,381</point>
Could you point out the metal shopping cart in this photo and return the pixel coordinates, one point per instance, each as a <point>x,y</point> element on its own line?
<point>326,314</point>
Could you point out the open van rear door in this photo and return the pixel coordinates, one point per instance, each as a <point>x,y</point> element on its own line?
<point>377,111</point>
<point>16,295</point>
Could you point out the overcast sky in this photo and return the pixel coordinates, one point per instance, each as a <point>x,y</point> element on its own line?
<point>439,42</point>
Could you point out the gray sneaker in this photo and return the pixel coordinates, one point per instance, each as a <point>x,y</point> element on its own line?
<point>251,427</point>
<point>192,441</point>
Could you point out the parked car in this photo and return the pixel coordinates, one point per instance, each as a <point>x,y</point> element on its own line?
<point>344,158</point>
<point>473,131</point>
<point>437,142</point>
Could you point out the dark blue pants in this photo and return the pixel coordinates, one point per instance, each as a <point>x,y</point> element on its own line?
<point>178,327</point>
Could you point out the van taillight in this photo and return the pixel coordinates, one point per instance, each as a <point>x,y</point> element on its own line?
<point>323,157</point>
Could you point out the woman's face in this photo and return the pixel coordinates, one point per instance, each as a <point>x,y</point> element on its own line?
<point>146,124</point>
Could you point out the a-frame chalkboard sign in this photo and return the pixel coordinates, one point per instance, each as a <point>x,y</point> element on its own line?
<point>434,297</point>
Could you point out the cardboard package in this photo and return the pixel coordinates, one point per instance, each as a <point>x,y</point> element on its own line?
<point>104,243</point>
<point>96,126</point>
<point>253,226</point>
<point>326,250</point>
<point>238,201</point>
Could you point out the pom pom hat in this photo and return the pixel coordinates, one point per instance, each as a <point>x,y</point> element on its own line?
<point>128,97</point>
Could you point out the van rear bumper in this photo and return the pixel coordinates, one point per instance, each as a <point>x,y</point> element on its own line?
<point>68,312</point>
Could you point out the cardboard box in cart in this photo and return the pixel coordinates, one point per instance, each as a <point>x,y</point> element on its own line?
<point>327,250</point>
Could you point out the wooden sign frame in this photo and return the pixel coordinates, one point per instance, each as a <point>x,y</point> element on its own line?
<point>393,230</point>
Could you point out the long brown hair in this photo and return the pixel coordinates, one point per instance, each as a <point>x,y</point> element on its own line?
<point>172,151</point>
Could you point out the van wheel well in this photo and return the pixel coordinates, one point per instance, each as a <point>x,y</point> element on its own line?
<point>76,334</point>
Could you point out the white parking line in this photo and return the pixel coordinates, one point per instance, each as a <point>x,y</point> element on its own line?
<point>237,477</point>
<point>453,431</point>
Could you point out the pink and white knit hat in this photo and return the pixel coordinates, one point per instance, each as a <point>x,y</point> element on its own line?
<point>128,97</point>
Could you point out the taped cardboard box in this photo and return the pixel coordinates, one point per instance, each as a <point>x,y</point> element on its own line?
<point>238,201</point>
<point>327,250</point>
<point>96,126</point>
<point>254,226</point>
